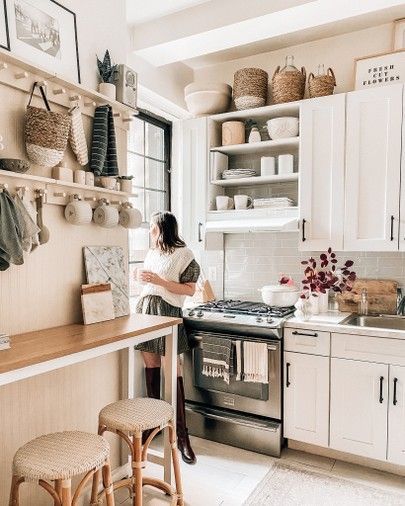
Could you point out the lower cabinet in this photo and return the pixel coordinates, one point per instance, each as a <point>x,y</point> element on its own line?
<point>306,398</point>
<point>396,416</point>
<point>358,409</point>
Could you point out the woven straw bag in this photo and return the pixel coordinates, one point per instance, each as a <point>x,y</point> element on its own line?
<point>250,88</point>
<point>320,86</point>
<point>288,85</point>
<point>46,132</point>
<point>77,138</point>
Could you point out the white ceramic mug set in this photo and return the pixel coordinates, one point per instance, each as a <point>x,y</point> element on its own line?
<point>225,203</point>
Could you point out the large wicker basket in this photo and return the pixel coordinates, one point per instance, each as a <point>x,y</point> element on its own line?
<point>288,85</point>
<point>250,88</point>
<point>320,86</point>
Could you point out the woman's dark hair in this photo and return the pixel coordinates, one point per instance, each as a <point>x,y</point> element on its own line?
<point>169,238</point>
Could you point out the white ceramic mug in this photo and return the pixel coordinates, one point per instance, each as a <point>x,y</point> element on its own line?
<point>138,274</point>
<point>89,178</point>
<point>130,217</point>
<point>285,164</point>
<point>126,185</point>
<point>267,166</point>
<point>243,202</point>
<point>224,202</point>
<point>78,212</point>
<point>79,176</point>
<point>106,216</point>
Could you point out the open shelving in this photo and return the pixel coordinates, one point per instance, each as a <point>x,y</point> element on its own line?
<point>277,145</point>
<point>256,180</point>
<point>260,113</point>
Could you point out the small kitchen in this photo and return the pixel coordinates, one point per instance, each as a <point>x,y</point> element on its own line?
<point>263,360</point>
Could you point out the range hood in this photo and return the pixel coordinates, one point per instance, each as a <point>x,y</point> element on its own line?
<point>255,220</point>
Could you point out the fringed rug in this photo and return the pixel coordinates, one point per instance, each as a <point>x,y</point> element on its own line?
<point>288,485</point>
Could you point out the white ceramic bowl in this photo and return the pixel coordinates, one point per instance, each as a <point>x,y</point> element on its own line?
<point>280,295</point>
<point>282,128</point>
<point>207,98</point>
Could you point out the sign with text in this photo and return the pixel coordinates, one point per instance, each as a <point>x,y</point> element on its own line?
<point>379,70</point>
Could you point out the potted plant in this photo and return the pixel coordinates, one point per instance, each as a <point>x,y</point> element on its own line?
<point>107,74</point>
<point>324,275</point>
<point>125,183</point>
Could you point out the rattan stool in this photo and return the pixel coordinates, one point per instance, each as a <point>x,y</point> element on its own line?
<point>58,458</point>
<point>128,419</point>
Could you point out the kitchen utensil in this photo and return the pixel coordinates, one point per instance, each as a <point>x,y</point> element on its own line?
<point>207,98</point>
<point>14,165</point>
<point>280,295</point>
<point>381,296</point>
<point>78,212</point>
<point>288,84</point>
<point>243,201</point>
<point>106,216</point>
<point>224,203</point>
<point>285,164</point>
<point>283,128</point>
<point>130,217</point>
<point>79,176</point>
<point>233,132</point>
<point>108,182</point>
<point>250,87</point>
<point>44,231</point>
<point>267,166</point>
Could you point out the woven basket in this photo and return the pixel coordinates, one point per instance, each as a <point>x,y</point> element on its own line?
<point>250,88</point>
<point>320,86</point>
<point>288,86</point>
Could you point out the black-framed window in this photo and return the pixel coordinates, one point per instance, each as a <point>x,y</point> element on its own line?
<point>149,158</point>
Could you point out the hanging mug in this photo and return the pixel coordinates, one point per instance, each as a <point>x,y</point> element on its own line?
<point>78,212</point>
<point>130,217</point>
<point>106,216</point>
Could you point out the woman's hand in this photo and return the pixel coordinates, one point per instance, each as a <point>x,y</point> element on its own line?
<point>151,277</point>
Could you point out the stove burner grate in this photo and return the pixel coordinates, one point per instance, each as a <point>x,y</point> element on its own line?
<point>245,308</point>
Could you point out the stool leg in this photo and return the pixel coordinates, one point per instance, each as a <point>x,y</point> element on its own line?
<point>176,464</point>
<point>14,491</point>
<point>58,490</point>
<point>94,488</point>
<point>107,483</point>
<point>137,469</point>
<point>66,492</point>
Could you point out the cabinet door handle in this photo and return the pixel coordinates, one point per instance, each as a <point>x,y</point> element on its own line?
<point>288,382</point>
<point>199,232</point>
<point>392,228</point>
<point>394,401</point>
<point>296,333</point>
<point>381,389</point>
<point>303,230</point>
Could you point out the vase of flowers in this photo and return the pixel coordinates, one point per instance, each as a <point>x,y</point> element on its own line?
<point>323,275</point>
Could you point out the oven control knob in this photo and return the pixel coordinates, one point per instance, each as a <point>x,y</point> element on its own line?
<point>200,314</point>
<point>259,319</point>
<point>191,312</point>
<point>269,319</point>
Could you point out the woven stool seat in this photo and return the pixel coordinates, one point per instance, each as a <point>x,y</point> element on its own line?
<point>60,456</point>
<point>136,415</point>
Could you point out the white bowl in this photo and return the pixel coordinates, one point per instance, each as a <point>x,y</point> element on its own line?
<point>282,128</point>
<point>280,295</point>
<point>211,98</point>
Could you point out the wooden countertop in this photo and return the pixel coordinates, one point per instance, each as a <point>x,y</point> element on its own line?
<point>42,345</point>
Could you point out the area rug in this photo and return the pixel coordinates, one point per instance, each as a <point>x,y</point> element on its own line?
<point>288,485</point>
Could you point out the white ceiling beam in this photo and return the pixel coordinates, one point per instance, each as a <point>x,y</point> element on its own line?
<point>276,24</point>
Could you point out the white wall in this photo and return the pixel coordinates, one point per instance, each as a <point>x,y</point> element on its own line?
<point>337,52</point>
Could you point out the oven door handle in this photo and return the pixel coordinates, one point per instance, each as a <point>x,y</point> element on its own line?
<point>270,347</point>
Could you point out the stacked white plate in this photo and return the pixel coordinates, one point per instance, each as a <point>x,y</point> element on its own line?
<point>4,341</point>
<point>238,173</point>
<point>272,202</point>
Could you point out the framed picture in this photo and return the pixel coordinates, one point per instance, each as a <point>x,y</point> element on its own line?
<point>4,35</point>
<point>45,33</point>
<point>399,34</point>
<point>380,69</point>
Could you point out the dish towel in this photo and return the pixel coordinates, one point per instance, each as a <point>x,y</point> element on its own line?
<point>104,160</point>
<point>11,250</point>
<point>255,362</point>
<point>217,357</point>
<point>77,137</point>
<point>29,228</point>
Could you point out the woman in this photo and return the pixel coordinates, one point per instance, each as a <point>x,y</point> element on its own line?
<point>170,273</point>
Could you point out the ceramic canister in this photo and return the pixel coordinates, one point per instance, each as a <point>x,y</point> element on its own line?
<point>106,216</point>
<point>79,176</point>
<point>78,212</point>
<point>89,178</point>
<point>130,217</point>
<point>233,132</point>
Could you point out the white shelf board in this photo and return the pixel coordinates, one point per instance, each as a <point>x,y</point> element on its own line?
<point>96,189</point>
<point>260,113</point>
<point>237,214</point>
<point>257,180</point>
<point>27,177</point>
<point>278,145</point>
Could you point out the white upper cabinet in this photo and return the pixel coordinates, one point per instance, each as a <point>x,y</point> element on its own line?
<point>373,158</point>
<point>322,158</point>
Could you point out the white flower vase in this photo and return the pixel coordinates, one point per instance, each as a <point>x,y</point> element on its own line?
<point>108,89</point>
<point>323,302</point>
<point>302,311</point>
<point>314,304</point>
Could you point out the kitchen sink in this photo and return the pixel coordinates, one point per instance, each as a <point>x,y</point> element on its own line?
<point>380,322</point>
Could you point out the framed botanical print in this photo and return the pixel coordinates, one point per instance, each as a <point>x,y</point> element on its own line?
<point>44,32</point>
<point>4,35</point>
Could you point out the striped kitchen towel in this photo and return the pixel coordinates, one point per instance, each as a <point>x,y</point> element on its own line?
<point>217,357</point>
<point>104,160</point>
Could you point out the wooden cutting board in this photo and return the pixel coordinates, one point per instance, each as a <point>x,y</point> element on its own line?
<point>381,294</point>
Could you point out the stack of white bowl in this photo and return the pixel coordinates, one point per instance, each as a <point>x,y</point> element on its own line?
<point>207,98</point>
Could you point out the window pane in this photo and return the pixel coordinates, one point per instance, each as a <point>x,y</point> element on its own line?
<point>136,168</point>
<point>138,244</point>
<point>137,136</point>
<point>155,142</point>
<point>154,201</point>
<point>155,174</point>
<point>139,202</point>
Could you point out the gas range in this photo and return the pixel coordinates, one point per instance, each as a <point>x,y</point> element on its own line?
<point>235,316</point>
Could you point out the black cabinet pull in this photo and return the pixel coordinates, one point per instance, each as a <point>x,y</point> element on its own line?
<point>288,382</point>
<point>392,228</point>
<point>296,333</point>
<point>199,232</point>
<point>381,389</point>
<point>394,401</point>
<point>303,230</point>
